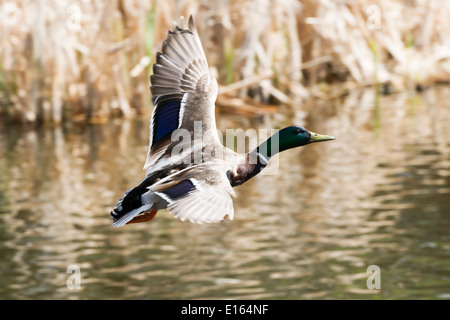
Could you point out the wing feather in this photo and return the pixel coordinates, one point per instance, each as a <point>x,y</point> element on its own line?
<point>203,197</point>
<point>181,73</point>
<point>206,206</point>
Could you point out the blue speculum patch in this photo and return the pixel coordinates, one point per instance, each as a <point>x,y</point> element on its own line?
<point>165,119</point>
<point>179,190</point>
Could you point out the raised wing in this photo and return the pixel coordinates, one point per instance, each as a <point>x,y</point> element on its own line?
<point>182,88</point>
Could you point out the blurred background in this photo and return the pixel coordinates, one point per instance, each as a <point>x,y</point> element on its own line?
<point>74,118</point>
<point>90,60</point>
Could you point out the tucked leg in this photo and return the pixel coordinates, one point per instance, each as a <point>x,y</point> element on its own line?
<point>146,216</point>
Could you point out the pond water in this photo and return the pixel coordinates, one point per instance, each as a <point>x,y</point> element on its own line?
<point>378,195</point>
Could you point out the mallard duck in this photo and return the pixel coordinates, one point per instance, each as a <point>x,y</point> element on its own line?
<point>189,174</point>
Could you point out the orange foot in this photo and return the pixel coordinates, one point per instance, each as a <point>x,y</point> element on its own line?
<point>146,216</point>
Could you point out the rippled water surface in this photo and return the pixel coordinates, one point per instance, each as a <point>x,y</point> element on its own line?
<point>378,195</point>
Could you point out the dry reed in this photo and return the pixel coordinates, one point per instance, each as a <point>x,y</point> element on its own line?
<point>91,59</point>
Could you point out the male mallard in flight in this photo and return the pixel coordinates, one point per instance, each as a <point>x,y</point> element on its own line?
<point>193,177</point>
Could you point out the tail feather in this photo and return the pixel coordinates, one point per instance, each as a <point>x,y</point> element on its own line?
<point>127,217</point>
<point>134,202</point>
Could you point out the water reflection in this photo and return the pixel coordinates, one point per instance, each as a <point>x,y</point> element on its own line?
<point>379,194</point>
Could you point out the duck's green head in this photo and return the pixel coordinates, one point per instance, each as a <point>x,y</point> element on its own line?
<point>296,136</point>
<point>288,138</point>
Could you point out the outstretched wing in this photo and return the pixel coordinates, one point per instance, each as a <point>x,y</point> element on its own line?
<point>182,88</point>
<point>203,199</point>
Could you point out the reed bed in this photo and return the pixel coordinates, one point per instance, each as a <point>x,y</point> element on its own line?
<point>89,60</point>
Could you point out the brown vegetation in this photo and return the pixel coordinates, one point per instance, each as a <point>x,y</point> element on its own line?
<point>91,59</point>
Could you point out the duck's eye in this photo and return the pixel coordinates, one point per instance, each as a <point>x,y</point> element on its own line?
<point>300,131</point>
